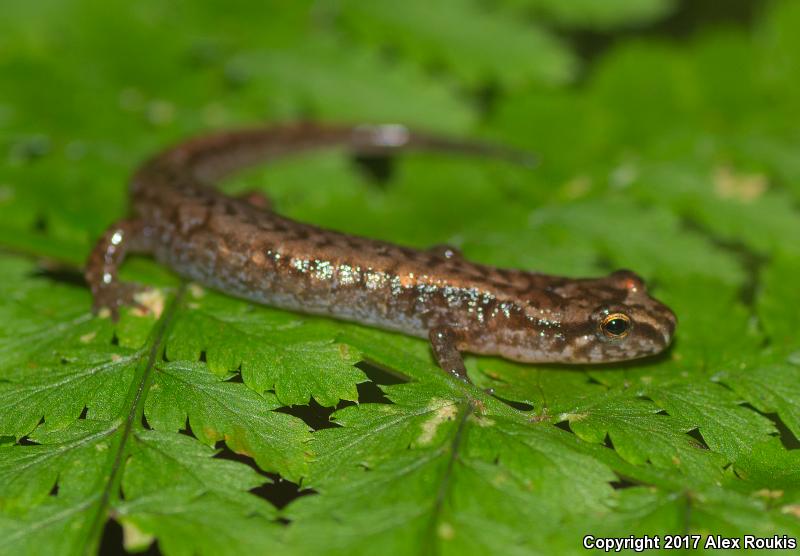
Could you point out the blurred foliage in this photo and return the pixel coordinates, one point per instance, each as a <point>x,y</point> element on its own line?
<point>676,158</point>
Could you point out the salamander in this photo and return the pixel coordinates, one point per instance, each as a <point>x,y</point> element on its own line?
<point>240,246</point>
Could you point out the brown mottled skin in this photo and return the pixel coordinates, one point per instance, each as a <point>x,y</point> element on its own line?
<point>240,247</point>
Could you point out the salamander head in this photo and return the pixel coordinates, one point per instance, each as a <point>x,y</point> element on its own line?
<point>598,320</point>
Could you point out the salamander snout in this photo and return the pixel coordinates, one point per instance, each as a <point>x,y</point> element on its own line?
<point>630,323</point>
<point>622,331</point>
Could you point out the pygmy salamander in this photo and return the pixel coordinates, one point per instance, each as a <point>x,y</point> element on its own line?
<point>241,247</point>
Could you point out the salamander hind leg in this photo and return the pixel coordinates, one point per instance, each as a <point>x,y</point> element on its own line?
<point>444,342</point>
<point>122,238</point>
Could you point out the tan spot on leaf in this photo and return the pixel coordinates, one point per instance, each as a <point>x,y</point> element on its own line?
<point>499,479</point>
<point>133,538</point>
<point>573,416</point>
<point>213,434</point>
<point>792,509</point>
<point>244,452</point>
<point>481,420</point>
<point>236,442</point>
<point>86,338</point>
<point>741,187</point>
<point>152,301</point>
<point>443,410</point>
<point>446,531</point>
<point>196,290</point>
<point>767,493</point>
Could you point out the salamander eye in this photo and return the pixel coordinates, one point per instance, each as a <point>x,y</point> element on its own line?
<point>616,326</point>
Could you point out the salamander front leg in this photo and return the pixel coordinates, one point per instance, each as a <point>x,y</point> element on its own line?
<point>444,342</point>
<point>123,237</point>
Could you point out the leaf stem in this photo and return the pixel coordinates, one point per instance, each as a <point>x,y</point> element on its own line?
<point>134,401</point>
<point>444,485</point>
